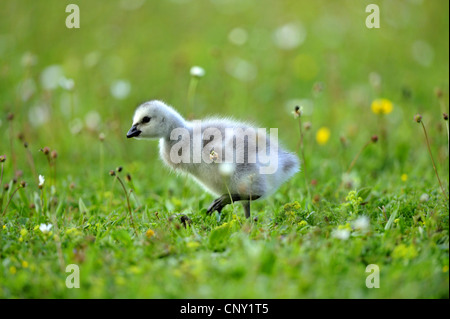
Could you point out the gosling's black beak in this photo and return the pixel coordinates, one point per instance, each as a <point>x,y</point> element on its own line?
<point>133,132</point>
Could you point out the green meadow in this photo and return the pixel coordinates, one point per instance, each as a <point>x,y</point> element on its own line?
<point>82,205</point>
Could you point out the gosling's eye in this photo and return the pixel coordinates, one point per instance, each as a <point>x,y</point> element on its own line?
<point>146,119</point>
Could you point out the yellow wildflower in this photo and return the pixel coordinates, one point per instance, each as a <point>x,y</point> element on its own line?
<point>404,177</point>
<point>24,264</point>
<point>192,244</point>
<point>294,206</point>
<point>73,232</point>
<point>12,270</point>
<point>149,233</point>
<point>323,135</point>
<point>135,270</point>
<point>345,227</point>
<point>445,268</point>
<point>382,106</point>
<point>302,223</point>
<point>404,252</point>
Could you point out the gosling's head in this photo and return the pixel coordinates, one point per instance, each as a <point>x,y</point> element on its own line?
<point>153,120</point>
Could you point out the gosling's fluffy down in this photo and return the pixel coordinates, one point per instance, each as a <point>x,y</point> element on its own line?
<point>156,120</point>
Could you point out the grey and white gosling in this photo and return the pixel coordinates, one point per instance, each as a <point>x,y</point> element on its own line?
<point>251,173</point>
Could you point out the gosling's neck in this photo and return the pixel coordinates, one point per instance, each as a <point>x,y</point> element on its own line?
<point>174,121</point>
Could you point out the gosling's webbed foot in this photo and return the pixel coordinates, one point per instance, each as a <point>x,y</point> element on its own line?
<point>219,203</point>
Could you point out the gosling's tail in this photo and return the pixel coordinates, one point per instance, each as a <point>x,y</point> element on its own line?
<point>290,164</point>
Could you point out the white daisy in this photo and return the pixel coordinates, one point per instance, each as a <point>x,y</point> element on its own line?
<point>41,180</point>
<point>226,169</point>
<point>45,228</point>
<point>197,71</point>
<point>362,223</point>
<point>342,234</point>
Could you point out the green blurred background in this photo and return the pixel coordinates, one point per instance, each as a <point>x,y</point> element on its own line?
<point>151,45</point>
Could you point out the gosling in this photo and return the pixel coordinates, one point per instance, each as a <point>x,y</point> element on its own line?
<point>229,159</point>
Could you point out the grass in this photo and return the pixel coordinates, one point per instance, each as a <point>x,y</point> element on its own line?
<point>388,209</point>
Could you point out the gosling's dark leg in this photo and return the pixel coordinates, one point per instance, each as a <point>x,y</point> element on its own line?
<point>219,203</point>
<point>246,205</point>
